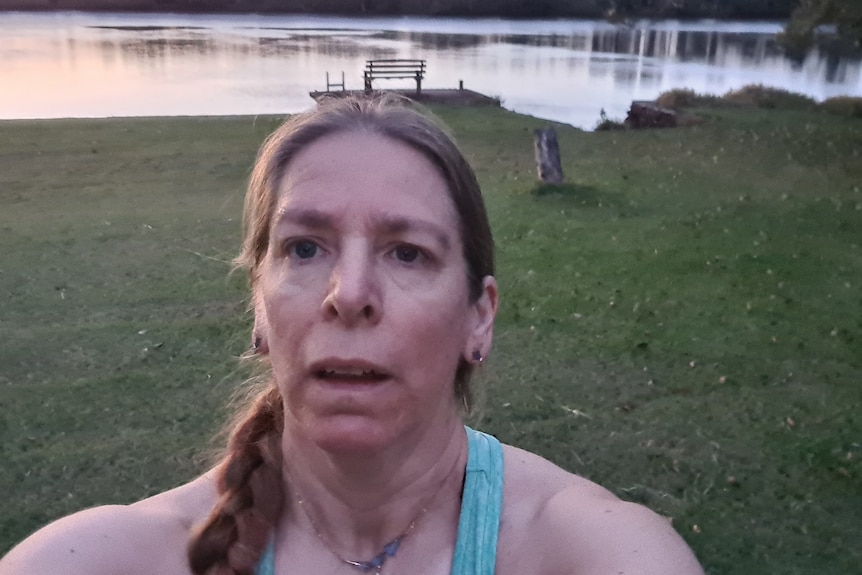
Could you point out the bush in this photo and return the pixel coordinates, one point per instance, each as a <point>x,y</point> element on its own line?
<point>844,106</point>
<point>686,98</point>
<point>605,123</point>
<point>760,96</point>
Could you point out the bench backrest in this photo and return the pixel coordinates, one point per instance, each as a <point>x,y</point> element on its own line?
<point>392,67</point>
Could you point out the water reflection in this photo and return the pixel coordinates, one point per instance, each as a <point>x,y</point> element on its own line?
<point>73,64</point>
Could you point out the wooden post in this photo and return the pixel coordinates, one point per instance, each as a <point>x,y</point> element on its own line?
<point>548,156</point>
<point>460,84</point>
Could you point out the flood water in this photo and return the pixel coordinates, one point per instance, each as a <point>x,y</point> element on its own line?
<point>71,64</point>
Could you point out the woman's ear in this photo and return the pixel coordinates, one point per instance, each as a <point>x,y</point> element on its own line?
<point>260,331</point>
<point>482,329</point>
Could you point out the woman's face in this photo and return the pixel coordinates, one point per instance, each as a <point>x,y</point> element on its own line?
<point>363,294</point>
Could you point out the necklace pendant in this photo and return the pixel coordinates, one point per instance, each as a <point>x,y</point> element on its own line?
<point>375,565</point>
<point>391,548</point>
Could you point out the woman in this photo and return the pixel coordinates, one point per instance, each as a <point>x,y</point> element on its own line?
<point>371,266</point>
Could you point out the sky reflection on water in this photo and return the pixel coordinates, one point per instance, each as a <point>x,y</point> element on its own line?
<point>71,64</point>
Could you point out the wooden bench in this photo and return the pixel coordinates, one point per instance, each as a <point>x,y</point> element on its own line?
<point>394,68</point>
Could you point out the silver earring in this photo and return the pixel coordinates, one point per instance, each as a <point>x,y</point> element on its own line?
<point>478,357</point>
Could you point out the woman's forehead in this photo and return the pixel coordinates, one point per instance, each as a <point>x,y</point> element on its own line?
<point>366,175</point>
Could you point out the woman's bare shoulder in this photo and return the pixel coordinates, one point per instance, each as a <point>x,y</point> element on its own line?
<point>143,538</point>
<point>579,527</point>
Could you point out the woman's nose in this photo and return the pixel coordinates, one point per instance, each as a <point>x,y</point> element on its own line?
<point>353,294</point>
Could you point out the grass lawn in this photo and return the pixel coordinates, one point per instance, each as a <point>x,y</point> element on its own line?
<point>681,321</point>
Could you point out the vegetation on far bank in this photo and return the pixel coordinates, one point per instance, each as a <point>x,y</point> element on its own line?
<point>804,19</point>
<point>809,16</point>
<point>739,9</point>
<point>680,321</point>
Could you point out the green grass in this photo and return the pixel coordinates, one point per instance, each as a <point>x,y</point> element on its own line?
<point>681,321</point>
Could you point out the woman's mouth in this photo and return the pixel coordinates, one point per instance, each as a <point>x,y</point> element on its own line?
<point>347,375</point>
<point>349,370</point>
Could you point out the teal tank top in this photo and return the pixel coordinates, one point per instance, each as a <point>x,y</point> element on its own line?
<point>479,524</point>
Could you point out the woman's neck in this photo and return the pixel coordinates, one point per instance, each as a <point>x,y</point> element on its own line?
<point>357,503</point>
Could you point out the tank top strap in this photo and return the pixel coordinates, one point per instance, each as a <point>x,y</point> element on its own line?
<point>481,505</point>
<point>266,566</point>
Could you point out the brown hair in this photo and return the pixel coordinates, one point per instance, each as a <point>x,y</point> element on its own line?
<point>232,539</point>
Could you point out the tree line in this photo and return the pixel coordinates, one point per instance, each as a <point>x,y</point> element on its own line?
<point>804,17</point>
<point>809,15</point>
<point>614,9</point>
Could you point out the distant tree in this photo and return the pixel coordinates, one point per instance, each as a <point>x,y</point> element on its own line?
<point>809,15</point>
<point>739,9</point>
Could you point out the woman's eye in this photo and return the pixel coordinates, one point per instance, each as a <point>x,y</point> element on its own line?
<point>407,254</point>
<point>303,249</point>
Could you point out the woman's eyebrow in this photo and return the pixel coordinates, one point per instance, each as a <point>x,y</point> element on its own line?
<point>306,217</point>
<point>398,225</point>
<point>315,219</point>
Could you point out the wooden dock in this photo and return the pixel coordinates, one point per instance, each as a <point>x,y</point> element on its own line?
<point>454,97</point>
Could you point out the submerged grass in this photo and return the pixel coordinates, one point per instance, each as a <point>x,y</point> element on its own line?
<point>680,322</point>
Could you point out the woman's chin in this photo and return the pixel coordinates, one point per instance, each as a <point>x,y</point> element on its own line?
<point>353,433</point>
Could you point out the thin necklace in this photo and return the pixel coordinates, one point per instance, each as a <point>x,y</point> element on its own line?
<point>375,564</point>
